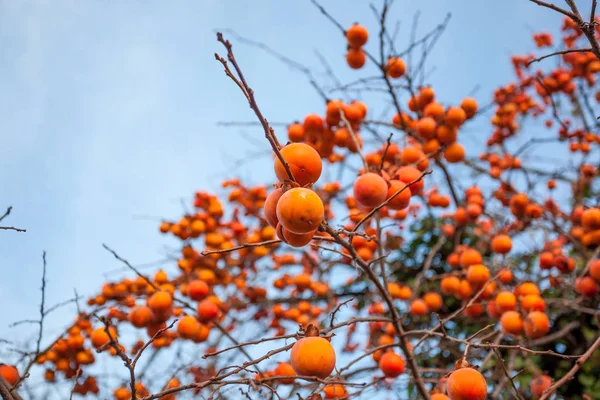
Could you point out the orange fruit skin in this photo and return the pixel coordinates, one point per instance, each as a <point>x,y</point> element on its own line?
<point>99,337</point>
<point>433,300</point>
<point>454,153</point>
<point>356,58</point>
<point>511,322</point>
<point>207,310</point>
<point>466,384</point>
<point>469,105</point>
<point>426,127</point>
<point>296,132</point>
<point>470,257</point>
<point>140,316</point>
<point>357,35</point>
<point>391,364</point>
<point>160,301</point>
<point>478,274</point>
<point>270,207</point>
<point>536,324</point>
<point>533,302</point>
<point>402,200</point>
<point>505,301</point>
<point>197,289</point>
<point>450,285</point>
<point>10,373</point>
<point>396,67</point>
<point>313,356</point>
<point>501,244</point>
<point>304,162</point>
<point>455,116</point>
<point>335,391</point>
<point>188,327</point>
<point>526,288</point>
<point>294,239</point>
<point>439,396</point>
<point>285,369</point>
<point>418,308</point>
<point>300,210</point>
<point>408,174</point>
<point>586,286</point>
<point>540,384</point>
<point>370,190</point>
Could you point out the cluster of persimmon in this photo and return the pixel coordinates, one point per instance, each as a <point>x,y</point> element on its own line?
<point>211,284</point>
<point>435,127</point>
<point>586,226</point>
<point>294,210</point>
<point>517,99</point>
<point>475,204</point>
<point>340,128</point>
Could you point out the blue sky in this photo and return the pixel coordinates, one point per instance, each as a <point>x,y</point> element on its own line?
<point>108,111</point>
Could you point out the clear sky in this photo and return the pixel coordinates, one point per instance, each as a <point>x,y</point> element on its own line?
<point>108,111</point>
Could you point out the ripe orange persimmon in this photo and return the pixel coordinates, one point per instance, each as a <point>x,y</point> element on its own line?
<point>207,310</point>
<point>450,284</point>
<point>188,327</point>
<point>313,122</point>
<point>285,369</point>
<point>357,35</point>
<point>304,162</point>
<point>469,105</point>
<point>198,289</point>
<point>511,322</point>
<point>396,67</point>
<point>454,153</point>
<point>335,391</point>
<point>402,199</point>
<point>313,356</point>
<point>536,324</point>
<point>391,364</point>
<point>590,218</point>
<point>455,116</point>
<point>356,58</point>
<point>99,337</point>
<point>122,394</point>
<point>470,257</point>
<point>466,384</point>
<point>433,301</point>
<point>426,127</point>
<point>465,290</point>
<point>370,190</point>
<point>505,301</point>
<point>300,210</point>
<point>10,373</point>
<point>586,286</point>
<point>501,244</point>
<point>296,132</point>
<point>506,276</point>
<point>411,155</point>
<point>140,316</point>
<point>418,307</point>
<point>270,207</point>
<point>478,274</point>
<point>294,239</point>
<point>408,174</point>
<point>160,302</point>
<point>540,384</point>
<point>439,396</point>
<point>533,302</point>
<point>434,110</point>
<point>526,288</point>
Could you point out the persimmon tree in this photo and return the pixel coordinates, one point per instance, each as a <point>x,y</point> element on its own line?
<point>427,269</point>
